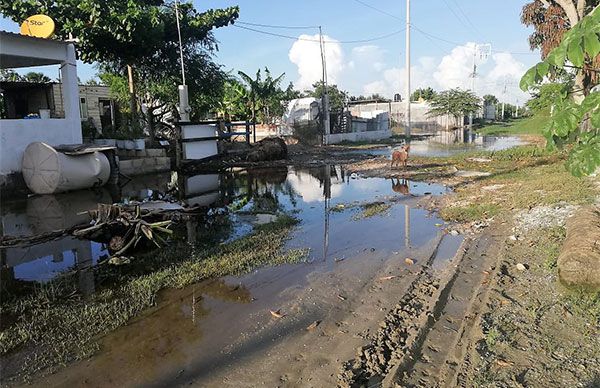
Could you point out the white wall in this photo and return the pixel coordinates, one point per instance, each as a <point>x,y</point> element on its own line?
<point>16,135</point>
<point>336,138</point>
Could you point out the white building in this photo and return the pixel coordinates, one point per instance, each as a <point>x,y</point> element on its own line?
<point>18,51</point>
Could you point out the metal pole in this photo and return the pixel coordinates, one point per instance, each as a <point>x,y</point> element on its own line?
<point>407,128</point>
<point>184,106</point>
<point>473,75</point>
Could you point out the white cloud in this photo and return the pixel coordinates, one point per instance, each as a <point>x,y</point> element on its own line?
<point>367,70</point>
<point>306,55</point>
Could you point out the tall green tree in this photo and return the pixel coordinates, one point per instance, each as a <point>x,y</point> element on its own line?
<point>544,96</point>
<point>36,77</point>
<point>426,94</point>
<point>454,102</point>
<point>490,99</point>
<point>575,121</point>
<point>130,35</point>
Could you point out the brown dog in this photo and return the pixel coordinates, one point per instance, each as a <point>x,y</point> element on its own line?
<point>400,156</point>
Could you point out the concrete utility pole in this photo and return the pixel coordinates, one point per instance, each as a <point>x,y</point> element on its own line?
<point>325,98</point>
<point>184,105</point>
<point>503,99</point>
<point>407,125</point>
<point>484,51</point>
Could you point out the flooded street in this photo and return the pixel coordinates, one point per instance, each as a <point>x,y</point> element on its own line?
<point>214,332</point>
<point>449,143</point>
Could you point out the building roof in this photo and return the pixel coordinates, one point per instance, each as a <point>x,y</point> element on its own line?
<point>18,50</point>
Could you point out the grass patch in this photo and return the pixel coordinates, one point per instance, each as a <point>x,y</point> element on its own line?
<point>521,178</point>
<point>372,209</point>
<point>524,126</point>
<point>471,212</point>
<point>55,325</point>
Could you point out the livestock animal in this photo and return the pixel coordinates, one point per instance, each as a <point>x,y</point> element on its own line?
<point>400,156</point>
<point>400,186</point>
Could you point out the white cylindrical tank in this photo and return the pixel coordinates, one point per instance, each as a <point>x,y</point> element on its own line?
<point>47,171</point>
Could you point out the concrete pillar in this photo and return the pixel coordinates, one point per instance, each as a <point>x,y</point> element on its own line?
<point>68,75</point>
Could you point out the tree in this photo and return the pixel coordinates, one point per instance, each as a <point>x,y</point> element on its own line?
<point>574,120</point>
<point>337,97</point>
<point>489,99</point>
<point>426,94</point>
<point>551,19</point>
<point>454,102</point>
<point>544,96</point>
<point>262,93</point>
<point>128,34</point>
<point>7,75</point>
<point>36,77</point>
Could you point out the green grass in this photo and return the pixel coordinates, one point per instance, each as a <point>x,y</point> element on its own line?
<point>372,209</point>
<point>55,325</point>
<point>524,126</point>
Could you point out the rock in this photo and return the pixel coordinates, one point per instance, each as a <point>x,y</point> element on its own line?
<point>521,267</point>
<point>579,260</point>
<point>270,148</point>
<point>471,174</point>
<point>454,232</point>
<point>479,160</point>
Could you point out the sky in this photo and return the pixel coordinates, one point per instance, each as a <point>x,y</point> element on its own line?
<point>444,36</point>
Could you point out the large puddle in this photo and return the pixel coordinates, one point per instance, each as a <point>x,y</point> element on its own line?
<point>199,329</point>
<point>449,143</point>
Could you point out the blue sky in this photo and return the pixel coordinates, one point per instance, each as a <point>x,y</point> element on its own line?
<point>377,66</point>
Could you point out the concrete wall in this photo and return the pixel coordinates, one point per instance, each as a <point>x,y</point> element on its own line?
<point>358,136</point>
<point>16,135</point>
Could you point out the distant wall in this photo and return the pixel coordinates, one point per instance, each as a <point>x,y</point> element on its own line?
<point>358,136</point>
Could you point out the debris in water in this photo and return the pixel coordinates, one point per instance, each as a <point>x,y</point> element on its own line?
<point>277,314</point>
<point>313,325</point>
<point>339,259</point>
<point>409,261</point>
<point>438,225</point>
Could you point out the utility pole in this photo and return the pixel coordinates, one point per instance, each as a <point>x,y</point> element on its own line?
<point>484,51</point>
<point>325,98</point>
<point>184,106</point>
<point>503,99</point>
<point>407,125</point>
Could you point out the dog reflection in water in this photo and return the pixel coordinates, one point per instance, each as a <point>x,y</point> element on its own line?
<point>400,186</point>
<point>400,156</point>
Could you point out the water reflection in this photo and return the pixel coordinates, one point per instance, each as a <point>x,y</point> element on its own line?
<point>234,200</point>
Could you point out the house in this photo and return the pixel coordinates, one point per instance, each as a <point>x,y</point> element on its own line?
<point>26,99</point>
<point>19,51</point>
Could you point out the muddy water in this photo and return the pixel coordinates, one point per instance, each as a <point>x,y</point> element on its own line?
<point>214,332</point>
<point>449,143</point>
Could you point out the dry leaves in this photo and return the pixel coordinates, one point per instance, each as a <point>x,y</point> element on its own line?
<point>313,325</point>
<point>340,297</point>
<point>409,261</point>
<point>388,277</point>
<point>277,314</point>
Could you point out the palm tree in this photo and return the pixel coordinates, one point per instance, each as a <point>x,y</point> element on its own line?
<point>262,93</point>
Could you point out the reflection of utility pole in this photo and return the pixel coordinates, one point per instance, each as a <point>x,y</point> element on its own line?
<point>327,194</point>
<point>406,226</point>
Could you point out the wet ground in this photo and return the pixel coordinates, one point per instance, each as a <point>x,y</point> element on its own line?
<point>194,332</point>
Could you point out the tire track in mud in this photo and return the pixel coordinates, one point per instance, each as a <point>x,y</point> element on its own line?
<point>422,339</point>
<point>401,330</point>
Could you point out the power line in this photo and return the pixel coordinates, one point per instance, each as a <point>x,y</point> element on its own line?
<point>317,40</point>
<point>378,10</point>
<point>462,44</point>
<point>275,26</point>
<point>475,29</point>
